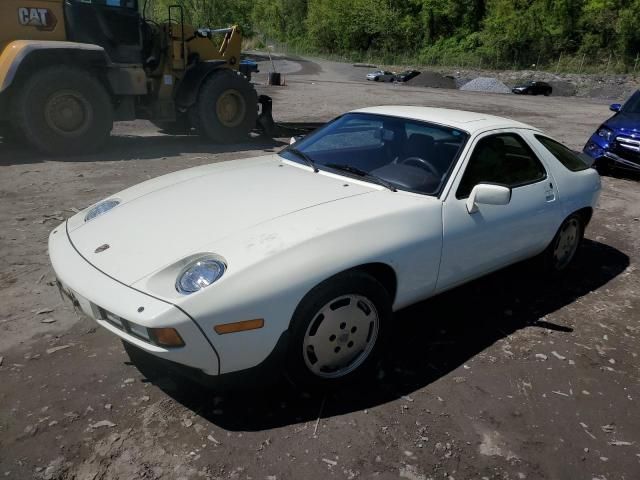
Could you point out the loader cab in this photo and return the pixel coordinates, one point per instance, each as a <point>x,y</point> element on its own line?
<point>114,25</point>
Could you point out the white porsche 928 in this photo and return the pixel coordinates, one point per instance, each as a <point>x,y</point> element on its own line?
<point>295,262</point>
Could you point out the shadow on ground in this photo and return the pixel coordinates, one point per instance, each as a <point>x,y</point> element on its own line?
<point>122,148</point>
<point>430,340</point>
<point>624,174</point>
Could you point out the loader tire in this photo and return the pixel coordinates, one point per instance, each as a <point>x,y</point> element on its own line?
<point>63,110</point>
<point>10,134</point>
<point>227,107</point>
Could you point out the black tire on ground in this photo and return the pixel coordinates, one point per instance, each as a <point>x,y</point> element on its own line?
<point>227,107</point>
<point>309,327</point>
<point>560,253</point>
<point>603,166</point>
<point>547,93</point>
<point>64,110</point>
<point>10,134</point>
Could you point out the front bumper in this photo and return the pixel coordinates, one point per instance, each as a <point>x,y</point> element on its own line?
<point>94,292</point>
<point>599,150</point>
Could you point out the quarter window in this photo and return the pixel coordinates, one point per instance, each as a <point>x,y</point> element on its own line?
<point>563,154</point>
<point>503,159</point>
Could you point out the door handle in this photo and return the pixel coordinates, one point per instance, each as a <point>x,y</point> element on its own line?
<point>549,193</point>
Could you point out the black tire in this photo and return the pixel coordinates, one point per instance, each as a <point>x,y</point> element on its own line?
<point>603,166</point>
<point>224,85</point>
<point>42,125</point>
<point>549,258</point>
<point>10,134</point>
<point>547,93</point>
<point>308,318</point>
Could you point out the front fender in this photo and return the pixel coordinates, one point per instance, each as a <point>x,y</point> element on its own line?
<point>187,90</point>
<point>273,266</point>
<point>22,56</point>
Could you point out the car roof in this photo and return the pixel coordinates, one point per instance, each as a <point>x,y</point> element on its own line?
<point>471,122</point>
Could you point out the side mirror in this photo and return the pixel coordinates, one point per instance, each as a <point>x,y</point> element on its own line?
<point>485,194</point>
<point>616,107</point>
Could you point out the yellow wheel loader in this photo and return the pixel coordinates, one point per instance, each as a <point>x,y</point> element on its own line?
<point>70,68</point>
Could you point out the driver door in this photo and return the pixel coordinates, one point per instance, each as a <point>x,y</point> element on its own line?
<point>495,236</point>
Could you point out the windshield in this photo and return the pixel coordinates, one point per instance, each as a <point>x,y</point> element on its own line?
<point>129,4</point>
<point>633,104</point>
<point>406,154</point>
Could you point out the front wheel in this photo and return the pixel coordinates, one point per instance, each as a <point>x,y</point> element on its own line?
<point>337,331</point>
<point>562,250</point>
<point>227,107</point>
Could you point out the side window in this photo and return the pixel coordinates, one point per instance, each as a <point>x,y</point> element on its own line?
<point>565,156</point>
<point>503,159</point>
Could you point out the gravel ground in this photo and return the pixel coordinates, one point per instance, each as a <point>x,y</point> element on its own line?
<point>510,377</point>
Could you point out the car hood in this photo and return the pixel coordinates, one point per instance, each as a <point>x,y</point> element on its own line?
<point>178,215</point>
<point>625,122</point>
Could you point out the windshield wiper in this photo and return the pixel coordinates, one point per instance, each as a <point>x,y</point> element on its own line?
<point>362,173</point>
<point>309,161</point>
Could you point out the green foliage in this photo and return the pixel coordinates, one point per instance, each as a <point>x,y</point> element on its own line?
<point>489,32</point>
<point>207,13</point>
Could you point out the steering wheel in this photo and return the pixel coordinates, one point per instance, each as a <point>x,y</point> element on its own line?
<point>420,162</point>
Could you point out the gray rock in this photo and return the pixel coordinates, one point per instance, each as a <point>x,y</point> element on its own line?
<point>102,423</point>
<point>486,84</point>
<point>57,349</point>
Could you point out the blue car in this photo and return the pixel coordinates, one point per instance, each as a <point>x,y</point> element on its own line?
<point>617,141</point>
<point>248,67</point>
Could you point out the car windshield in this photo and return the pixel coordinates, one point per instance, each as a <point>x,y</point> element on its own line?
<point>129,4</point>
<point>633,104</point>
<point>396,152</point>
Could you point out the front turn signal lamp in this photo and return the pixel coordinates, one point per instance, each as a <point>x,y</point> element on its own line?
<point>166,337</point>
<point>235,327</point>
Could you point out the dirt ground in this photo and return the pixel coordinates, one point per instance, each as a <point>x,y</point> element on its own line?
<point>510,377</point>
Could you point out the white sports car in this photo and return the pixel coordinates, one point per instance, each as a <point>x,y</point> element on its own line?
<point>295,262</point>
<point>381,76</point>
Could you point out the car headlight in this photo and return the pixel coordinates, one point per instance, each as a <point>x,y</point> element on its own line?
<point>199,274</point>
<point>605,133</point>
<point>101,208</point>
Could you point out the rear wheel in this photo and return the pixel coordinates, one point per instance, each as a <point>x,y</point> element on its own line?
<point>227,107</point>
<point>337,331</point>
<point>64,110</point>
<point>562,250</point>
